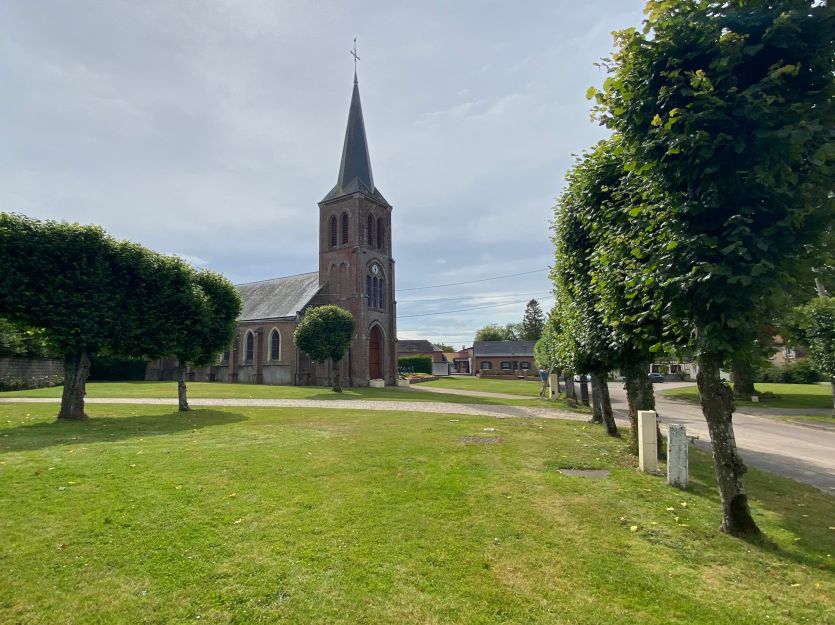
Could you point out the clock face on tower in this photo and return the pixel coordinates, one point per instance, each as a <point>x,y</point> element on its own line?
<point>375,269</point>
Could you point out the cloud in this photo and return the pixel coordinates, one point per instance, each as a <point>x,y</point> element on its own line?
<point>213,128</point>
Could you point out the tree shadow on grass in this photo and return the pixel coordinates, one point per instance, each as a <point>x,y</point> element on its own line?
<point>801,510</point>
<point>110,429</point>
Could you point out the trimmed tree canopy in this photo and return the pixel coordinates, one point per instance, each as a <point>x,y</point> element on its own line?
<point>325,332</point>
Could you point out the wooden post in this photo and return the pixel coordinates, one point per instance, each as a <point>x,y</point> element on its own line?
<point>647,441</point>
<point>677,456</point>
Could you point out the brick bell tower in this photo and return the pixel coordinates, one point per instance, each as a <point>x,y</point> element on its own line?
<point>356,268</point>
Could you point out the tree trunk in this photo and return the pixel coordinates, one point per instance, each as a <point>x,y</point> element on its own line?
<point>606,407</point>
<point>718,406</point>
<point>640,395</point>
<point>596,400</point>
<point>182,390</point>
<point>832,383</point>
<point>742,374</point>
<point>584,390</point>
<point>637,398</point>
<point>76,370</point>
<point>337,388</point>
<point>570,391</point>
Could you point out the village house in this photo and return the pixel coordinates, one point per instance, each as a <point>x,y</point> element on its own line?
<point>515,358</point>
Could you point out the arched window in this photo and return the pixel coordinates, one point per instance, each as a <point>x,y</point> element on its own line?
<point>382,295</point>
<point>374,289</point>
<point>249,352</point>
<point>333,230</point>
<point>370,230</point>
<point>486,365</point>
<point>381,233</point>
<point>344,240</point>
<point>506,364</point>
<point>275,345</point>
<point>368,291</point>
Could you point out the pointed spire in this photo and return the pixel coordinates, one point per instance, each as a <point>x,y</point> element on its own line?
<point>355,169</point>
<point>356,163</point>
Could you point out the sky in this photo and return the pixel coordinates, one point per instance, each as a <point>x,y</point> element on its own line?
<point>210,129</point>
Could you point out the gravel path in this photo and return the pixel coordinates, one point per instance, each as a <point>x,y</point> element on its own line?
<point>465,393</point>
<point>338,404</point>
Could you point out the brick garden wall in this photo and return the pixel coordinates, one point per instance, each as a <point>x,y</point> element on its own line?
<point>29,373</point>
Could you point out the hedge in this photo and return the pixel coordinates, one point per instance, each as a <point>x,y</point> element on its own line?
<point>115,369</point>
<point>415,364</point>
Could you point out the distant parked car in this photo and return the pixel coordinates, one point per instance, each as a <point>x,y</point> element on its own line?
<point>656,377</point>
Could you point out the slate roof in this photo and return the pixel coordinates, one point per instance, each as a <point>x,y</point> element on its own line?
<point>415,347</point>
<point>355,168</point>
<point>503,348</point>
<point>277,298</point>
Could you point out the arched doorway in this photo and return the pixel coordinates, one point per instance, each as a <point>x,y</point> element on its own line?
<point>375,340</point>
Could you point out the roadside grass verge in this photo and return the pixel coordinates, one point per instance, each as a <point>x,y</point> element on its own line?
<point>788,395</point>
<point>297,516</point>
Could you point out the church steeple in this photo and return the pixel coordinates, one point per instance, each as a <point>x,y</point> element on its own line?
<point>355,168</point>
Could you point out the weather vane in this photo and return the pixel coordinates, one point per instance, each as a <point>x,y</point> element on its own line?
<point>353,53</point>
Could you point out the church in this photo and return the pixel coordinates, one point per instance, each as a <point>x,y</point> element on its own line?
<point>356,272</point>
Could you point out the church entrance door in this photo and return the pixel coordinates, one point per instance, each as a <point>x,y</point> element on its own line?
<point>374,341</point>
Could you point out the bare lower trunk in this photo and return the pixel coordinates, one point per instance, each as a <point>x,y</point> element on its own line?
<point>596,401</point>
<point>638,397</point>
<point>742,374</point>
<point>584,390</point>
<point>76,370</point>
<point>570,391</point>
<point>337,388</point>
<point>606,407</point>
<point>718,406</point>
<point>182,389</point>
<point>832,383</point>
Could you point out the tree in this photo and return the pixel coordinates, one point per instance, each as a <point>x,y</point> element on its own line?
<point>533,322</point>
<point>444,347</point>
<point>495,332</point>
<point>325,332</point>
<point>59,277</point>
<point>210,328</point>
<point>814,326</point>
<point>727,107</point>
<point>91,294</point>
<point>584,339</point>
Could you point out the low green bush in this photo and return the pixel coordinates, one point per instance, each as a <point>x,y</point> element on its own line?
<point>415,364</point>
<point>800,372</point>
<point>18,383</point>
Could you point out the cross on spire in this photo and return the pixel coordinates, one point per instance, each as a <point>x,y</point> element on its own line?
<point>353,53</point>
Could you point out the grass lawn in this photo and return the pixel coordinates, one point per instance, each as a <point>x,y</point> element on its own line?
<point>217,390</point>
<point>324,516</point>
<point>788,395</point>
<point>525,388</point>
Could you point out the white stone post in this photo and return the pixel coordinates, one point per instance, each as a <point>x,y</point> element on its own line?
<point>647,441</point>
<point>553,385</point>
<point>677,456</point>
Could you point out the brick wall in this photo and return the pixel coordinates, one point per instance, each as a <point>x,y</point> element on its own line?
<point>30,372</point>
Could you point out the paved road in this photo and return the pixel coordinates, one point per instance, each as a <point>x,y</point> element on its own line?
<point>799,452</point>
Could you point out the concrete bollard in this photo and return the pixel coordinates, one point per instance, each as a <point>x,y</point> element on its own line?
<point>677,456</point>
<point>647,441</point>
<point>553,386</point>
